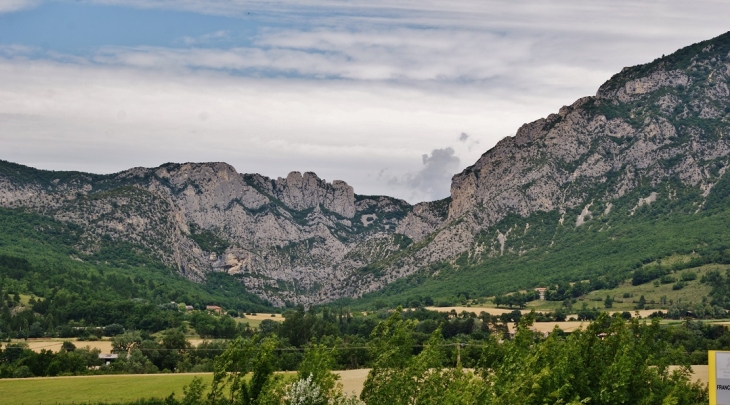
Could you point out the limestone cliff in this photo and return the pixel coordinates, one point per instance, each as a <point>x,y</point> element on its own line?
<point>650,133</point>
<point>650,129</point>
<point>296,239</point>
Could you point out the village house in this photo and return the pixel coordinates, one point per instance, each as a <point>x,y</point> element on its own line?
<point>214,308</point>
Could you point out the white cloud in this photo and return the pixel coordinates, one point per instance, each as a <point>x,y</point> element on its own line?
<point>364,85</point>
<point>70,116</point>
<point>434,179</point>
<point>208,38</point>
<point>402,54</point>
<point>9,6</point>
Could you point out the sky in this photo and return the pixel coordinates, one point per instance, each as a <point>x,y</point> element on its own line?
<point>392,96</point>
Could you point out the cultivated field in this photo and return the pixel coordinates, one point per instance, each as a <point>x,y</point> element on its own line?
<point>120,388</point>
<point>255,320</point>
<point>499,311</point>
<point>478,310</point>
<point>54,345</point>
<point>547,327</point>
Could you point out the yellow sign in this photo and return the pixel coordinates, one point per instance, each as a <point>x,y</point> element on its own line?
<point>719,373</point>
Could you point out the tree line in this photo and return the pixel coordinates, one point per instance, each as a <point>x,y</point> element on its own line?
<point>612,361</point>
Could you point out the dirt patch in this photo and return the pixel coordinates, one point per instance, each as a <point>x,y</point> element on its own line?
<point>353,380</point>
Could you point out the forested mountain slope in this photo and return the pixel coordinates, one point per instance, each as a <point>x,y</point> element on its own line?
<point>634,173</point>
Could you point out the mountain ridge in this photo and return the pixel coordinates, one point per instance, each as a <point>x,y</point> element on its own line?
<point>653,135</point>
<point>286,227</point>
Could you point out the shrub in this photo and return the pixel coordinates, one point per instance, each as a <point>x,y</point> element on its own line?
<point>305,392</point>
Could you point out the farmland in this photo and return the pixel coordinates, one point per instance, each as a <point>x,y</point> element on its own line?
<point>116,388</point>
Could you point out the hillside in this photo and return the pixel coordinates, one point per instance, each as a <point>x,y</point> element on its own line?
<point>606,185</point>
<point>623,178</point>
<point>284,239</point>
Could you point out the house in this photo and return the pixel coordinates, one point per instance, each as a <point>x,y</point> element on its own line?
<point>541,291</point>
<point>189,308</point>
<point>108,358</point>
<point>214,308</point>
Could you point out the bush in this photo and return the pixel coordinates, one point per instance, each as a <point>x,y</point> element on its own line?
<point>22,372</point>
<point>305,392</point>
<point>113,329</point>
<point>645,275</point>
<point>679,285</point>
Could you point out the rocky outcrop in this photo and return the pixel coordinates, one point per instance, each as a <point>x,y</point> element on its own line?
<point>646,128</point>
<point>294,239</point>
<point>302,192</point>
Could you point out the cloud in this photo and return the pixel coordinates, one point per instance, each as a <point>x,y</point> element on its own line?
<point>433,180</point>
<point>9,6</point>
<point>339,87</point>
<point>401,54</point>
<point>71,116</point>
<point>208,38</point>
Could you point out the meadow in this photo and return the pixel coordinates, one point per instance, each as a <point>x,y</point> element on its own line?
<point>94,389</point>
<point>123,388</point>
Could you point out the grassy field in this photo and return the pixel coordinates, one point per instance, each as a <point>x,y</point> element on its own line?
<point>693,292</point>
<point>477,310</point>
<point>255,320</point>
<point>121,388</point>
<point>626,296</point>
<point>81,390</point>
<point>94,389</point>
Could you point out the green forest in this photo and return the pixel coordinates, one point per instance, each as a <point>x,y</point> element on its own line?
<point>544,251</point>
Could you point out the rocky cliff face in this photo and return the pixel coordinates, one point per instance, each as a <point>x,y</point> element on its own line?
<point>649,132</point>
<point>303,192</point>
<point>652,128</point>
<point>297,239</point>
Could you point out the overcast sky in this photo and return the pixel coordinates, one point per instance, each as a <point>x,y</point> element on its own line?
<point>392,96</point>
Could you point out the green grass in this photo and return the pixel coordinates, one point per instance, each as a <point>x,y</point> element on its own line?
<point>254,323</point>
<point>24,298</point>
<point>112,388</point>
<point>544,306</point>
<point>693,292</point>
<point>95,389</point>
